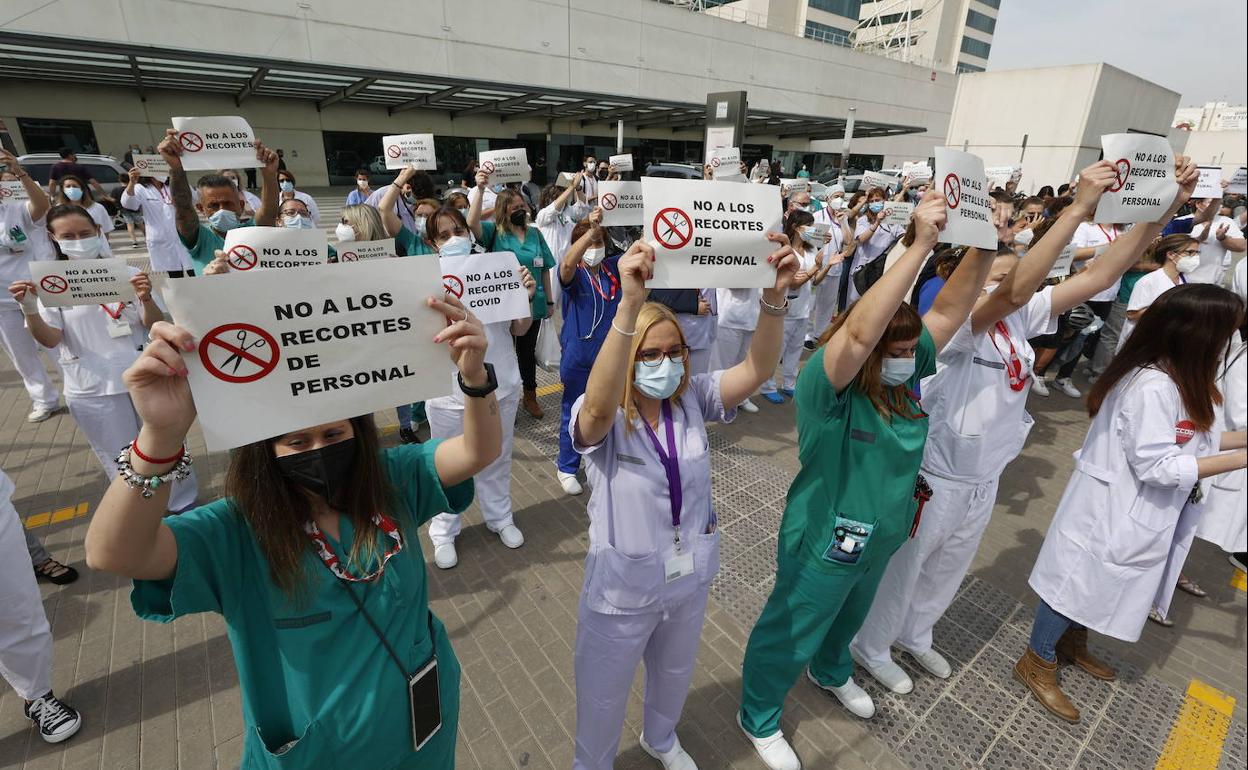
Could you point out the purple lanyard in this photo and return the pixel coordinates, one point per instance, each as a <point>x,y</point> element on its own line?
<point>671,463</point>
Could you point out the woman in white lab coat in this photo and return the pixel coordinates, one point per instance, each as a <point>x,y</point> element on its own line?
<point>1226,498</point>
<point>799,227</point>
<point>73,192</point>
<point>1126,521</point>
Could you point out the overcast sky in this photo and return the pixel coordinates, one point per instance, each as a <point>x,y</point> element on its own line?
<point>1195,47</point>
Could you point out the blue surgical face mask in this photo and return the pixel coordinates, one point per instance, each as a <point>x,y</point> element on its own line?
<point>811,236</point>
<point>895,371</point>
<point>498,188</point>
<point>73,193</point>
<point>286,185</point>
<point>875,206</point>
<point>456,246</point>
<point>658,381</point>
<point>223,221</point>
<point>298,222</point>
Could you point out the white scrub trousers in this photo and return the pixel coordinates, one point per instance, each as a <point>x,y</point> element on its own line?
<point>925,573</point>
<point>493,484</point>
<point>24,352</point>
<point>790,355</point>
<point>731,346</point>
<point>25,638</point>
<point>110,423</point>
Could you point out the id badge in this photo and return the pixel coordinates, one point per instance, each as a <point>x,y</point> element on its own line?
<point>678,566</point>
<point>849,540</point>
<point>117,327</point>
<point>426,704</point>
<point>538,262</point>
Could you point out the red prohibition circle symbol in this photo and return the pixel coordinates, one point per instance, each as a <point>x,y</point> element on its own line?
<point>609,201</point>
<point>488,167</point>
<point>239,353</point>
<point>953,190</point>
<point>191,141</point>
<point>888,213</point>
<point>453,285</point>
<point>672,228</point>
<point>242,257</point>
<point>348,256</point>
<point>714,162</point>
<point>54,284</point>
<point>140,164</point>
<point>1122,169</point>
<point>5,192</point>
<point>393,151</point>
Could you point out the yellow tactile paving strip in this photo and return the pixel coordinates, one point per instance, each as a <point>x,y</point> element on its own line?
<point>57,516</point>
<point>1199,731</point>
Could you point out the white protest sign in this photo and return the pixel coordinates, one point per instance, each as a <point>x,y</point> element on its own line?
<point>154,166</point>
<point>279,351</point>
<point>620,203</point>
<point>897,213</point>
<point>268,248</point>
<point>415,150</point>
<point>998,176</point>
<point>964,186</point>
<point>222,141</point>
<point>918,172</point>
<point>1061,268</point>
<point>488,285</point>
<point>718,137</point>
<point>1210,183</point>
<point>623,162</point>
<point>65,283</point>
<point>12,192</point>
<point>505,166</point>
<point>359,251</point>
<point>710,234</point>
<point>821,230</point>
<point>725,162</point>
<point>794,186</point>
<point>874,179</point>
<point>1239,182</point>
<point>1145,186</point>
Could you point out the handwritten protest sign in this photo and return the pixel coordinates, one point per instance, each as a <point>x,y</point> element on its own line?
<point>282,350</point>
<point>620,203</point>
<point>359,251</point>
<point>415,150</point>
<point>961,180</point>
<point>65,283</point>
<point>622,163</point>
<point>1145,185</point>
<point>154,166</point>
<point>268,248</point>
<point>710,234</point>
<point>488,285</point>
<point>505,166</point>
<point>221,141</point>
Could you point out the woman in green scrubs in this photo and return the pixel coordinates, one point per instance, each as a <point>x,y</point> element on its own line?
<point>861,433</point>
<point>312,558</point>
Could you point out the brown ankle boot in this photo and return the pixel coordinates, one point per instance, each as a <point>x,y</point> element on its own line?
<point>1073,648</point>
<point>531,406</point>
<point>1040,677</point>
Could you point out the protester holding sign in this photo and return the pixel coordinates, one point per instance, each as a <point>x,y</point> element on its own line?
<point>558,212</point>
<point>152,198</point>
<point>807,242</point>
<point>860,434</point>
<point>829,261</point>
<point>641,427</point>
<point>411,240</point>
<point>73,192</point>
<point>1175,256</point>
<point>875,237</point>
<point>309,516</point>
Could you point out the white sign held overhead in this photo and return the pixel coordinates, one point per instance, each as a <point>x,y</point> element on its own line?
<point>873,179</point>
<point>1210,183</point>
<point>268,248</point>
<point>154,166</point>
<point>280,351</point>
<point>710,234</point>
<point>564,179</point>
<point>1000,176</point>
<point>623,162</point>
<point>620,203</point>
<point>718,137</point>
<point>1145,185</point>
<point>918,172</point>
<point>360,251</point>
<point>897,213</point>
<point>1239,182</point>
<point>415,150</point>
<point>1061,268</point>
<point>65,283</point>
<point>505,166</point>
<point>960,179</point>
<point>794,186</point>
<point>221,141</point>
<point>488,284</point>
<point>725,162</point>
<point>12,192</point>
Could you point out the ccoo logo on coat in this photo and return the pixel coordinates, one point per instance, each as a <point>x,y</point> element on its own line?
<point>1184,430</point>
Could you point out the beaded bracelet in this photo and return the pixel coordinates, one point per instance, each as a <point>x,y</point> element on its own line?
<point>147,485</point>
<point>771,309</point>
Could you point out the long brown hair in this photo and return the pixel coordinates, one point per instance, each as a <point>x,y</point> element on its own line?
<point>1160,248</point>
<point>86,200</point>
<point>275,507</point>
<point>501,203</point>
<point>1182,334</point>
<point>905,325</point>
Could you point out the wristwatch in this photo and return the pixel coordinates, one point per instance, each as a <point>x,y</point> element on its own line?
<point>491,383</point>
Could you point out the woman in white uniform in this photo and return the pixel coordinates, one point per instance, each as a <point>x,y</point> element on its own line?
<point>875,237</point>
<point>799,228</point>
<point>654,544</point>
<point>152,197</point>
<point>448,228</point>
<point>1175,255</point>
<point>96,343</point>
<point>840,245</point>
<point>1125,523</point>
<point>73,192</point>
<point>1224,523</point>
<point>735,324</point>
<point>978,424</point>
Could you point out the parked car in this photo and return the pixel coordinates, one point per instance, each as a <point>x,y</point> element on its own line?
<point>105,168</point>
<point>674,171</point>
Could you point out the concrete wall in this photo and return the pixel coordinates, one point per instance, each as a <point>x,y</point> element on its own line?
<point>1228,149</point>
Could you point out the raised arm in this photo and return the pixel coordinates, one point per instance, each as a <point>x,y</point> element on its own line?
<point>957,297</point>
<point>474,207</point>
<point>184,214</point>
<point>149,312</point>
<point>462,457</point>
<point>761,360</point>
<point>849,347</point>
<point>39,203</point>
<point>266,215</point>
<point>572,257</point>
<point>390,198</point>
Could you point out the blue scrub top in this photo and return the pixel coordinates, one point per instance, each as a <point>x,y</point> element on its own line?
<point>587,315</point>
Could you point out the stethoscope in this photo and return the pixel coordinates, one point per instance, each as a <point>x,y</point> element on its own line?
<point>598,298</point>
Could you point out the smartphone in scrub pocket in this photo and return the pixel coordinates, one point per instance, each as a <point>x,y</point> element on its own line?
<point>426,703</point>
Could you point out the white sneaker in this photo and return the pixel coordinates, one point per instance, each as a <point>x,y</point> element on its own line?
<point>40,413</point>
<point>749,407</point>
<point>569,483</point>
<point>1038,385</point>
<point>1066,386</point>
<point>674,758</point>
<point>932,662</point>
<point>445,556</point>
<point>774,750</point>
<point>851,696</point>
<point>511,536</point>
<point>888,674</point>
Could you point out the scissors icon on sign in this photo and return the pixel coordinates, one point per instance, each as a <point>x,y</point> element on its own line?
<point>243,347</point>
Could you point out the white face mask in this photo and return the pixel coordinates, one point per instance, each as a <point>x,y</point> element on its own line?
<point>344,232</point>
<point>895,371</point>
<point>298,222</point>
<point>456,246</point>
<point>361,183</point>
<point>593,256</point>
<point>83,248</point>
<point>1187,264</point>
<point>836,204</point>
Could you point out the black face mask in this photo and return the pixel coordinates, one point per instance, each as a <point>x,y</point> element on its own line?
<point>323,471</point>
<point>603,173</point>
<point>518,217</point>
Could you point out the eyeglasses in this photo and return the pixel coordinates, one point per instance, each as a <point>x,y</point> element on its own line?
<point>1189,253</point>
<point>655,357</point>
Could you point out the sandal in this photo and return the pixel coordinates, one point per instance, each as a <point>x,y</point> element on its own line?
<point>1189,585</point>
<point>1159,619</point>
<point>55,572</point>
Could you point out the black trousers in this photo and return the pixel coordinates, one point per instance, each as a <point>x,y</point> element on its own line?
<point>526,355</point>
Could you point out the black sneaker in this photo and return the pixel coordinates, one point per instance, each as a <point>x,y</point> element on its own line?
<point>1239,561</point>
<point>57,720</point>
<point>810,344</point>
<point>408,436</point>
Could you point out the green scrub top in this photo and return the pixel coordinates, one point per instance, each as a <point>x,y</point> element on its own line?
<point>856,464</point>
<point>412,244</point>
<point>206,242</point>
<point>310,668</point>
<point>529,251</point>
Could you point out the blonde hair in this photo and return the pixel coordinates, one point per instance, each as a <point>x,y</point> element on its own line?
<point>366,222</point>
<point>651,313</point>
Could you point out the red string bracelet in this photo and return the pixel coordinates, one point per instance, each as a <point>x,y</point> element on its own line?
<point>134,449</point>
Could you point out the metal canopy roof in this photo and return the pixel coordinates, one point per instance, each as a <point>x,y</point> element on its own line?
<point>37,57</point>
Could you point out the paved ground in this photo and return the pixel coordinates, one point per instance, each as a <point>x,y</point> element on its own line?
<point>166,696</point>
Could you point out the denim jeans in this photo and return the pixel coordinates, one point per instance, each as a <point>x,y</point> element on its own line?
<point>1047,629</point>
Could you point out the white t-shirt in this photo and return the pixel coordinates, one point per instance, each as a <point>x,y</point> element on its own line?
<point>1090,234</point>
<point>501,353</point>
<point>1214,257</point>
<point>91,359</point>
<point>164,247</point>
<point>979,423</point>
<point>487,202</point>
<point>1239,282</point>
<point>100,216</point>
<point>1144,293</point>
<point>738,308</point>
<point>22,240</point>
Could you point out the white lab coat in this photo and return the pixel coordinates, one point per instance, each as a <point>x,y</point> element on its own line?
<point>1122,528</point>
<point>1224,522</point>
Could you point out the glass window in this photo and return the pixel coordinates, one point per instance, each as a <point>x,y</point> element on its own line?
<point>981,22</point>
<point>976,47</point>
<point>846,8</point>
<point>827,34</point>
<point>50,135</point>
<point>893,18</point>
<point>964,67</point>
<point>991,3</point>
